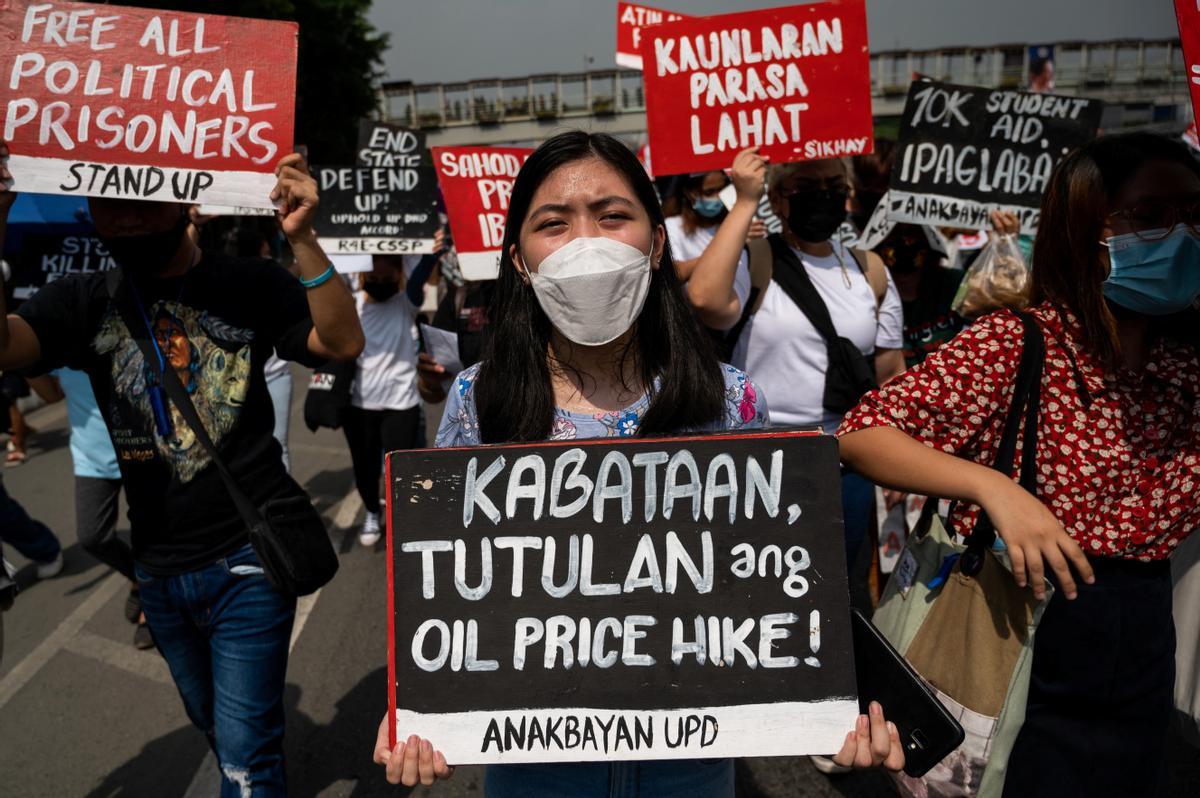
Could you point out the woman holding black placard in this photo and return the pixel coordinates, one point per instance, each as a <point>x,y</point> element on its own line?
<point>623,356</point>
<point>1115,290</point>
<point>817,322</point>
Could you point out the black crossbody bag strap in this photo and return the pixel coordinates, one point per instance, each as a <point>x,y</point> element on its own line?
<point>1026,404</point>
<point>795,282</point>
<point>182,401</point>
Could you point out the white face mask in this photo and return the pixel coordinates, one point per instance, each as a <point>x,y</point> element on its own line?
<point>593,289</point>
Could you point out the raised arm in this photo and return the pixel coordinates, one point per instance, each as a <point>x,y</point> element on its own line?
<point>414,288</point>
<point>336,333</point>
<point>710,286</point>
<point>18,344</point>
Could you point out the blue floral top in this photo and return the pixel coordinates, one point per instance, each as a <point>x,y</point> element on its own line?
<point>745,408</point>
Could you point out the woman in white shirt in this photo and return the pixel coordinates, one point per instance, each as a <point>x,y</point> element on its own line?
<point>696,233</point>
<point>701,212</point>
<point>384,413</point>
<point>779,346</point>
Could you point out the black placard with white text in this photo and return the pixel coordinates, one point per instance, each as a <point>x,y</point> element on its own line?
<point>620,599</point>
<point>387,203</point>
<point>965,151</point>
<point>45,257</point>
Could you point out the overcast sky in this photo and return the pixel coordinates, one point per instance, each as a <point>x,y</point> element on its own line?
<point>450,40</point>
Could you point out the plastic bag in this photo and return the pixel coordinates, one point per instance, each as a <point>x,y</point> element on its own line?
<point>999,278</point>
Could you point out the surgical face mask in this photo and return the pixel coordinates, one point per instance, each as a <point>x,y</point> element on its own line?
<point>708,207</point>
<point>592,289</point>
<point>149,253</point>
<point>814,216</point>
<point>1155,278</point>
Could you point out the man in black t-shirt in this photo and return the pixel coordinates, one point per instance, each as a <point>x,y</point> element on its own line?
<point>222,628</point>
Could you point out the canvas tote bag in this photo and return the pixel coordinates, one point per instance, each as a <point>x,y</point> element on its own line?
<point>957,615</point>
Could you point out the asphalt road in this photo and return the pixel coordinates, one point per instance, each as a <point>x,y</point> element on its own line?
<point>82,713</point>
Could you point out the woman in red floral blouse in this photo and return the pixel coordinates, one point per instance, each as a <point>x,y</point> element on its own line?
<point>1115,283</point>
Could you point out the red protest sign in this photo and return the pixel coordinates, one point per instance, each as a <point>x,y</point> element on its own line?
<point>631,18</point>
<point>793,81</point>
<point>476,183</point>
<point>1187,12</point>
<point>112,101</point>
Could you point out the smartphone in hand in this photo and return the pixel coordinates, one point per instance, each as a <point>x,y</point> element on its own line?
<point>928,731</point>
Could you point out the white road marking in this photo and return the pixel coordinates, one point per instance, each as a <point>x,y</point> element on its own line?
<point>304,607</point>
<point>146,664</point>
<point>27,668</point>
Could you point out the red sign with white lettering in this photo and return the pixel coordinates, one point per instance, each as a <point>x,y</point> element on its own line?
<point>476,184</point>
<point>112,101</point>
<point>793,81</point>
<point>1187,12</point>
<point>631,18</point>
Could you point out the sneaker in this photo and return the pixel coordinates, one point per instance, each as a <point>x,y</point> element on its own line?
<point>369,534</point>
<point>827,766</point>
<point>142,639</point>
<point>47,570</point>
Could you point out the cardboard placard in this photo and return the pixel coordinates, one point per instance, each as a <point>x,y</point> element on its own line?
<point>1187,14</point>
<point>611,599</point>
<point>965,151</point>
<point>379,211</point>
<point>476,183</point>
<point>45,257</point>
<point>793,81</point>
<point>112,101</point>
<point>631,19</point>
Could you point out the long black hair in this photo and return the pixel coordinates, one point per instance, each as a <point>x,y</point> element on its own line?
<point>514,398</point>
<point>1067,268</point>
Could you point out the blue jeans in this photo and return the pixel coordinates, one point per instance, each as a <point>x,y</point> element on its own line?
<point>678,778</point>
<point>858,502</point>
<point>224,632</point>
<point>32,538</point>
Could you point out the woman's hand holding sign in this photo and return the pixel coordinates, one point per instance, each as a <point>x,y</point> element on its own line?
<point>875,742</point>
<point>296,190</point>
<point>413,760</point>
<point>748,175</point>
<point>336,333</point>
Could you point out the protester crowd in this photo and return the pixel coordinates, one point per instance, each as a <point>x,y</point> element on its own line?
<point>706,323</point>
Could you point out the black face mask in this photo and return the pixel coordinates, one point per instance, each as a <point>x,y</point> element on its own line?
<point>379,290</point>
<point>147,254</point>
<point>814,216</point>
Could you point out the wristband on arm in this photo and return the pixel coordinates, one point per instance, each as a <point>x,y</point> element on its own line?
<point>320,279</point>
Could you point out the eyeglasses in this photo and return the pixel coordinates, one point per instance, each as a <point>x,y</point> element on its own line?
<point>1153,221</point>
